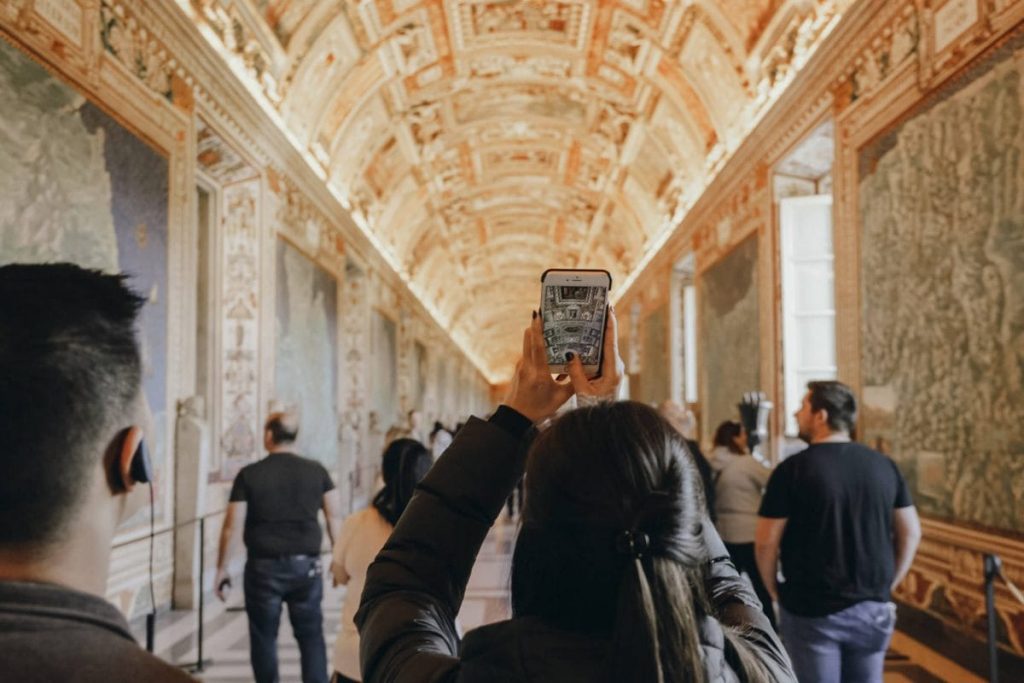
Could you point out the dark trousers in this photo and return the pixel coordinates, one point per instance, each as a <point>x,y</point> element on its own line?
<point>743,557</point>
<point>296,580</point>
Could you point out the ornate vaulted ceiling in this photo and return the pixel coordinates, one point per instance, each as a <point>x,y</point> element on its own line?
<point>480,142</point>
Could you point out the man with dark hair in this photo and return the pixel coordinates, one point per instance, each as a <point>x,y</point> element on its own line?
<point>279,498</point>
<point>73,420</point>
<point>839,517</point>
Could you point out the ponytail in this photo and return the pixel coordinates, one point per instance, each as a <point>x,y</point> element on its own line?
<point>635,642</point>
<point>657,624</point>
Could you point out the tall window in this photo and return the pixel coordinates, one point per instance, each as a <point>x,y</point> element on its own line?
<point>683,326</point>
<point>808,300</point>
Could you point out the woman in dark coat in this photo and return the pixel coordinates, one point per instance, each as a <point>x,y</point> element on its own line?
<point>616,574</point>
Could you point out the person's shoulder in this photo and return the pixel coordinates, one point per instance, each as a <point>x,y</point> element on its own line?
<point>794,461</point>
<point>549,653</point>
<point>304,462</point>
<point>88,652</point>
<point>368,516</point>
<point>159,671</point>
<point>868,454</point>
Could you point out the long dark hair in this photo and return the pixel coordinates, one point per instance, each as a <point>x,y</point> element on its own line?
<point>611,541</point>
<point>405,462</point>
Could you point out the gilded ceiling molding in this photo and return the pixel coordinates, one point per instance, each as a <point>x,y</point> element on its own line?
<point>549,118</point>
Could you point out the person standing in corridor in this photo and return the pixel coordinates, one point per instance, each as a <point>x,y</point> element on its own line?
<point>279,498</point>
<point>839,517</point>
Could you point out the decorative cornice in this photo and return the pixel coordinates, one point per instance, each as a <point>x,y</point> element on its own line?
<point>948,580</point>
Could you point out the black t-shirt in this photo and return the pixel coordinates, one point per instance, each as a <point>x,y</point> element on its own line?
<point>283,493</point>
<point>837,547</point>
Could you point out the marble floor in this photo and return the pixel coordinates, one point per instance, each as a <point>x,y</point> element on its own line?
<point>226,643</point>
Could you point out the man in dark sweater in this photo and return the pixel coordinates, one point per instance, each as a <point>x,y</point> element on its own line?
<point>839,517</point>
<point>73,419</point>
<point>279,498</point>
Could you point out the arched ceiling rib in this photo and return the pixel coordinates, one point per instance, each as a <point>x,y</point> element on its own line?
<point>483,141</point>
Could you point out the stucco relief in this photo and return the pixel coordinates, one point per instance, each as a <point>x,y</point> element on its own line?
<point>558,22</point>
<point>424,80</point>
<point>356,349</point>
<point>147,59</point>
<point>942,219</point>
<point>240,278</point>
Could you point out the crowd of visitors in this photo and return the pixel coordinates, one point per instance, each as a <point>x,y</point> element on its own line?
<point>636,558</point>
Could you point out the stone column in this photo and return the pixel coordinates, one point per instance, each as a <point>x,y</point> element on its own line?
<point>192,463</point>
<point>354,418</point>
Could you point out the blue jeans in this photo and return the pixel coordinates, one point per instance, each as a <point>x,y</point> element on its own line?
<point>296,580</point>
<point>845,647</point>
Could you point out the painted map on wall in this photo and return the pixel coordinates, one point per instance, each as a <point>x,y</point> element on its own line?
<point>305,369</point>
<point>730,345</point>
<point>942,213</point>
<point>655,370</point>
<point>77,186</point>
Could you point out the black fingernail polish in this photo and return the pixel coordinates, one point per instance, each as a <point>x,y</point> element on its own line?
<point>569,355</point>
<point>534,315</point>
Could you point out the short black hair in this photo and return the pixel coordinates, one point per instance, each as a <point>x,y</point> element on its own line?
<point>70,371</point>
<point>838,400</point>
<point>283,428</point>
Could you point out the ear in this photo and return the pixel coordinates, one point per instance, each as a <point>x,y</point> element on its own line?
<point>129,446</point>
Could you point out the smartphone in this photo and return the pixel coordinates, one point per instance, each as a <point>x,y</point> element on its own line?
<point>573,306</point>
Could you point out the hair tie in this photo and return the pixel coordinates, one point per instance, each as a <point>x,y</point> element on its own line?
<point>632,543</point>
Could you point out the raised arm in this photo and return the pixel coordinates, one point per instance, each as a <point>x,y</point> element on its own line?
<point>414,588</point>
<point>906,536</point>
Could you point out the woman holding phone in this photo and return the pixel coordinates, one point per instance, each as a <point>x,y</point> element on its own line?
<point>616,576</point>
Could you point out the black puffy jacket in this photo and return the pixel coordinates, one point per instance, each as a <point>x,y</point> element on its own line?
<point>415,587</point>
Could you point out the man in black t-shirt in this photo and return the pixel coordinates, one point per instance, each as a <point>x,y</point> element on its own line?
<point>839,517</point>
<point>279,498</point>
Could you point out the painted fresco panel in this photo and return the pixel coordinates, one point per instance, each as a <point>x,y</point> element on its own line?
<point>305,370</point>
<point>77,186</point>
<point>385,370</point>
<point>730,346</point>
<point>942,273</point>
<point>654,371</point>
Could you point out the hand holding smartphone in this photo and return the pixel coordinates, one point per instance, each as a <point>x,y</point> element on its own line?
<point>573,307</point>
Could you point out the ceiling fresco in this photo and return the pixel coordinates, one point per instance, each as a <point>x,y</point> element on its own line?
<point>480,142</point>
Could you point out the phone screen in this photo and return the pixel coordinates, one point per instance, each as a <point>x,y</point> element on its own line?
<point>574,321</point>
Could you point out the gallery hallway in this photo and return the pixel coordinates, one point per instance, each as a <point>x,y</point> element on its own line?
<point>226,639</point>
<point>342,210</point>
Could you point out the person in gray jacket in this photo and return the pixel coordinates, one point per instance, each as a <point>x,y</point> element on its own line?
<point>617,574</point>
<point>73,418</point>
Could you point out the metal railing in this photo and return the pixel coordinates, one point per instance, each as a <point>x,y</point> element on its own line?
<point>994,570</point>
<point>360,478</point>
<point>200,662</point>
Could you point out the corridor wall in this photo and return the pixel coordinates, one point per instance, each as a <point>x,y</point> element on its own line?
<point>928,206</point>
<point>115,115</point>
